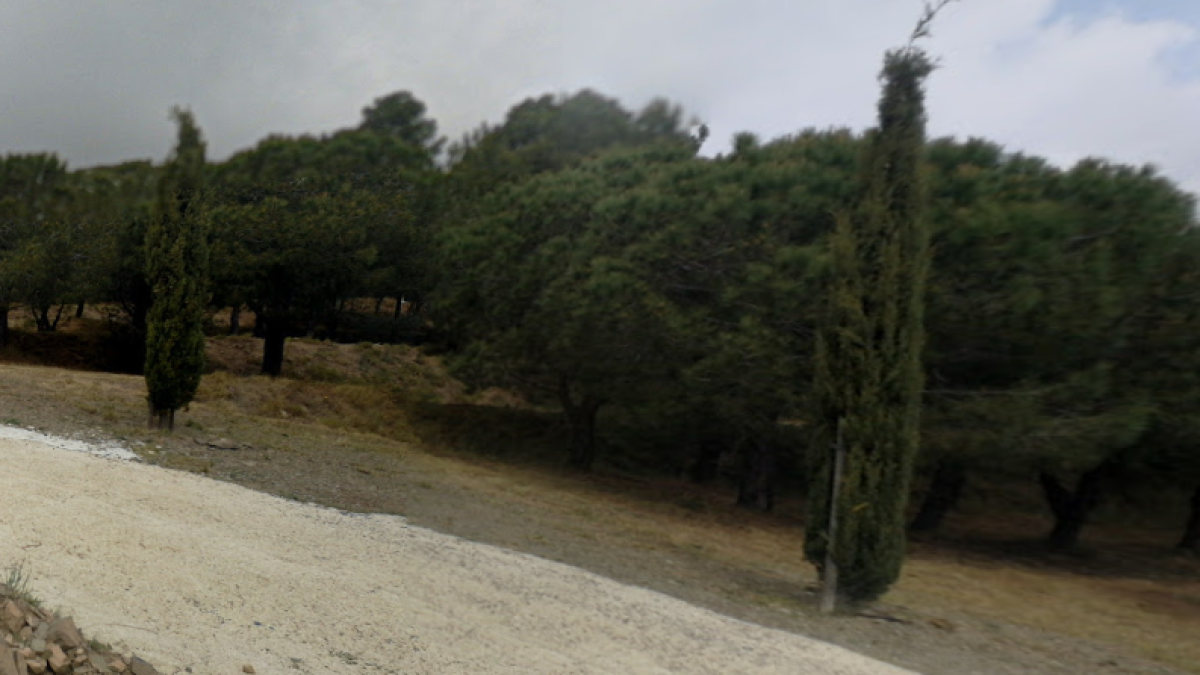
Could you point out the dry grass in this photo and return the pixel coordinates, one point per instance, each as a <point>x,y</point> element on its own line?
<point>1158,619</point>
<point>377,401</point>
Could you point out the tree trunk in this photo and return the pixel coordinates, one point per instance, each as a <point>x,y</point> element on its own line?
<point>235,320</point>
<point>1071,509</point>
<point>79,310</point>
<point>41,317</point>
<point>379,304</point>
<point>276,336</point>
<point>260,323</point>
<point>4,309</point>
<point>756,489</point>
<point>582,419</point>
<point>137,316</point>
<point>1191,533</point>
<point>945,490</point>
<point>161,419</point>
<point>334,323</point>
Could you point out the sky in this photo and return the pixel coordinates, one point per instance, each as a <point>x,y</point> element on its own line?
<point>93,80</point>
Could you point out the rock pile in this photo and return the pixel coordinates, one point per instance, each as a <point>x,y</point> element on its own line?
<point>36,642</point>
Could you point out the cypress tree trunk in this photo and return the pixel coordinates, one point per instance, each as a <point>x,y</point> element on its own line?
<point>235,320</point>
<point>379,304</point>
<point>868,372</point>
<point>945,490</point>
<point>1191,533</point>
<point>79,310</point>
<point>161,419</point>
<point>276,329</point>
<point>4,309</point>
<point>1071,508</point>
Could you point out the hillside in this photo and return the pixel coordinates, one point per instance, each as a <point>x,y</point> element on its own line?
<point>384,430</point>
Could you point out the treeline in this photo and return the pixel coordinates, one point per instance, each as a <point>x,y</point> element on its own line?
<point>586,256</point>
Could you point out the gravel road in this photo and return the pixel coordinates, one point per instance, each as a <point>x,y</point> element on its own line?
<point>193,573</point>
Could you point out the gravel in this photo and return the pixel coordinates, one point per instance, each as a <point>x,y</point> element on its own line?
<point>193,573</point>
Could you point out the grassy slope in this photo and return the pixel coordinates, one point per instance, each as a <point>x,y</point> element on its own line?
<point>366,428</point>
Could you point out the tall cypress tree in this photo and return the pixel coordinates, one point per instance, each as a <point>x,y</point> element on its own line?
<point>177,271</point>
<point>868,374</point>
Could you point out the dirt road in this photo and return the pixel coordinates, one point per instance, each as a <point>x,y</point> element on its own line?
<point>195,573</point>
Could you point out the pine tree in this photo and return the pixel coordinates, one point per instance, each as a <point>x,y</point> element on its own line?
<point>868,374</point>
<point>177,270</point>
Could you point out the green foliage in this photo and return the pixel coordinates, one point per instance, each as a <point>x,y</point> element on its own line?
<point>551,133</point>
<point>869,378</point>
<point>304,223</point>
<point>540,293</point>
<point>177,272</point>
<point>401,115</point>
<point>54,237</point>
<point>586,256</point>
<point>128,194</point>
<point>33,202</point>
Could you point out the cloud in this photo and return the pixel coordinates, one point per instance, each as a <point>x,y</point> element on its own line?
<point>1067,87</point>
<point>93,79</point>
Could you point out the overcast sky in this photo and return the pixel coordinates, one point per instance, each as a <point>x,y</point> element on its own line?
<point>93,79</point>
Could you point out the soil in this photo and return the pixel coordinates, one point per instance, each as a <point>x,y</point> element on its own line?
<point>589,523</point>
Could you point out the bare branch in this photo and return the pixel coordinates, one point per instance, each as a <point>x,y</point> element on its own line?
<point>925,23</point>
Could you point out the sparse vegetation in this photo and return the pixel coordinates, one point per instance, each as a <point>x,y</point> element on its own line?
<point>18,579</point>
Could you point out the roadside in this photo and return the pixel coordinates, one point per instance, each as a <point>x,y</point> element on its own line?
<point>739,564</point>
<point>201,576</point>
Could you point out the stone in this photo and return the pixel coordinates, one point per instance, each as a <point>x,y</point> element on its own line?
<point>117,666</point>
<point>38,645</point>
<point>79,660</point>
<point>27,653</point>
<point>8,662</point>
<point>98,663</point>
<point>26,634</point>
<point>36,666</point>
<point>42,630</point>
<point>57,660</point>
<point>14,617</point>
<point>249,669</point>
<point>139,667</point>
<point>64,632</point>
